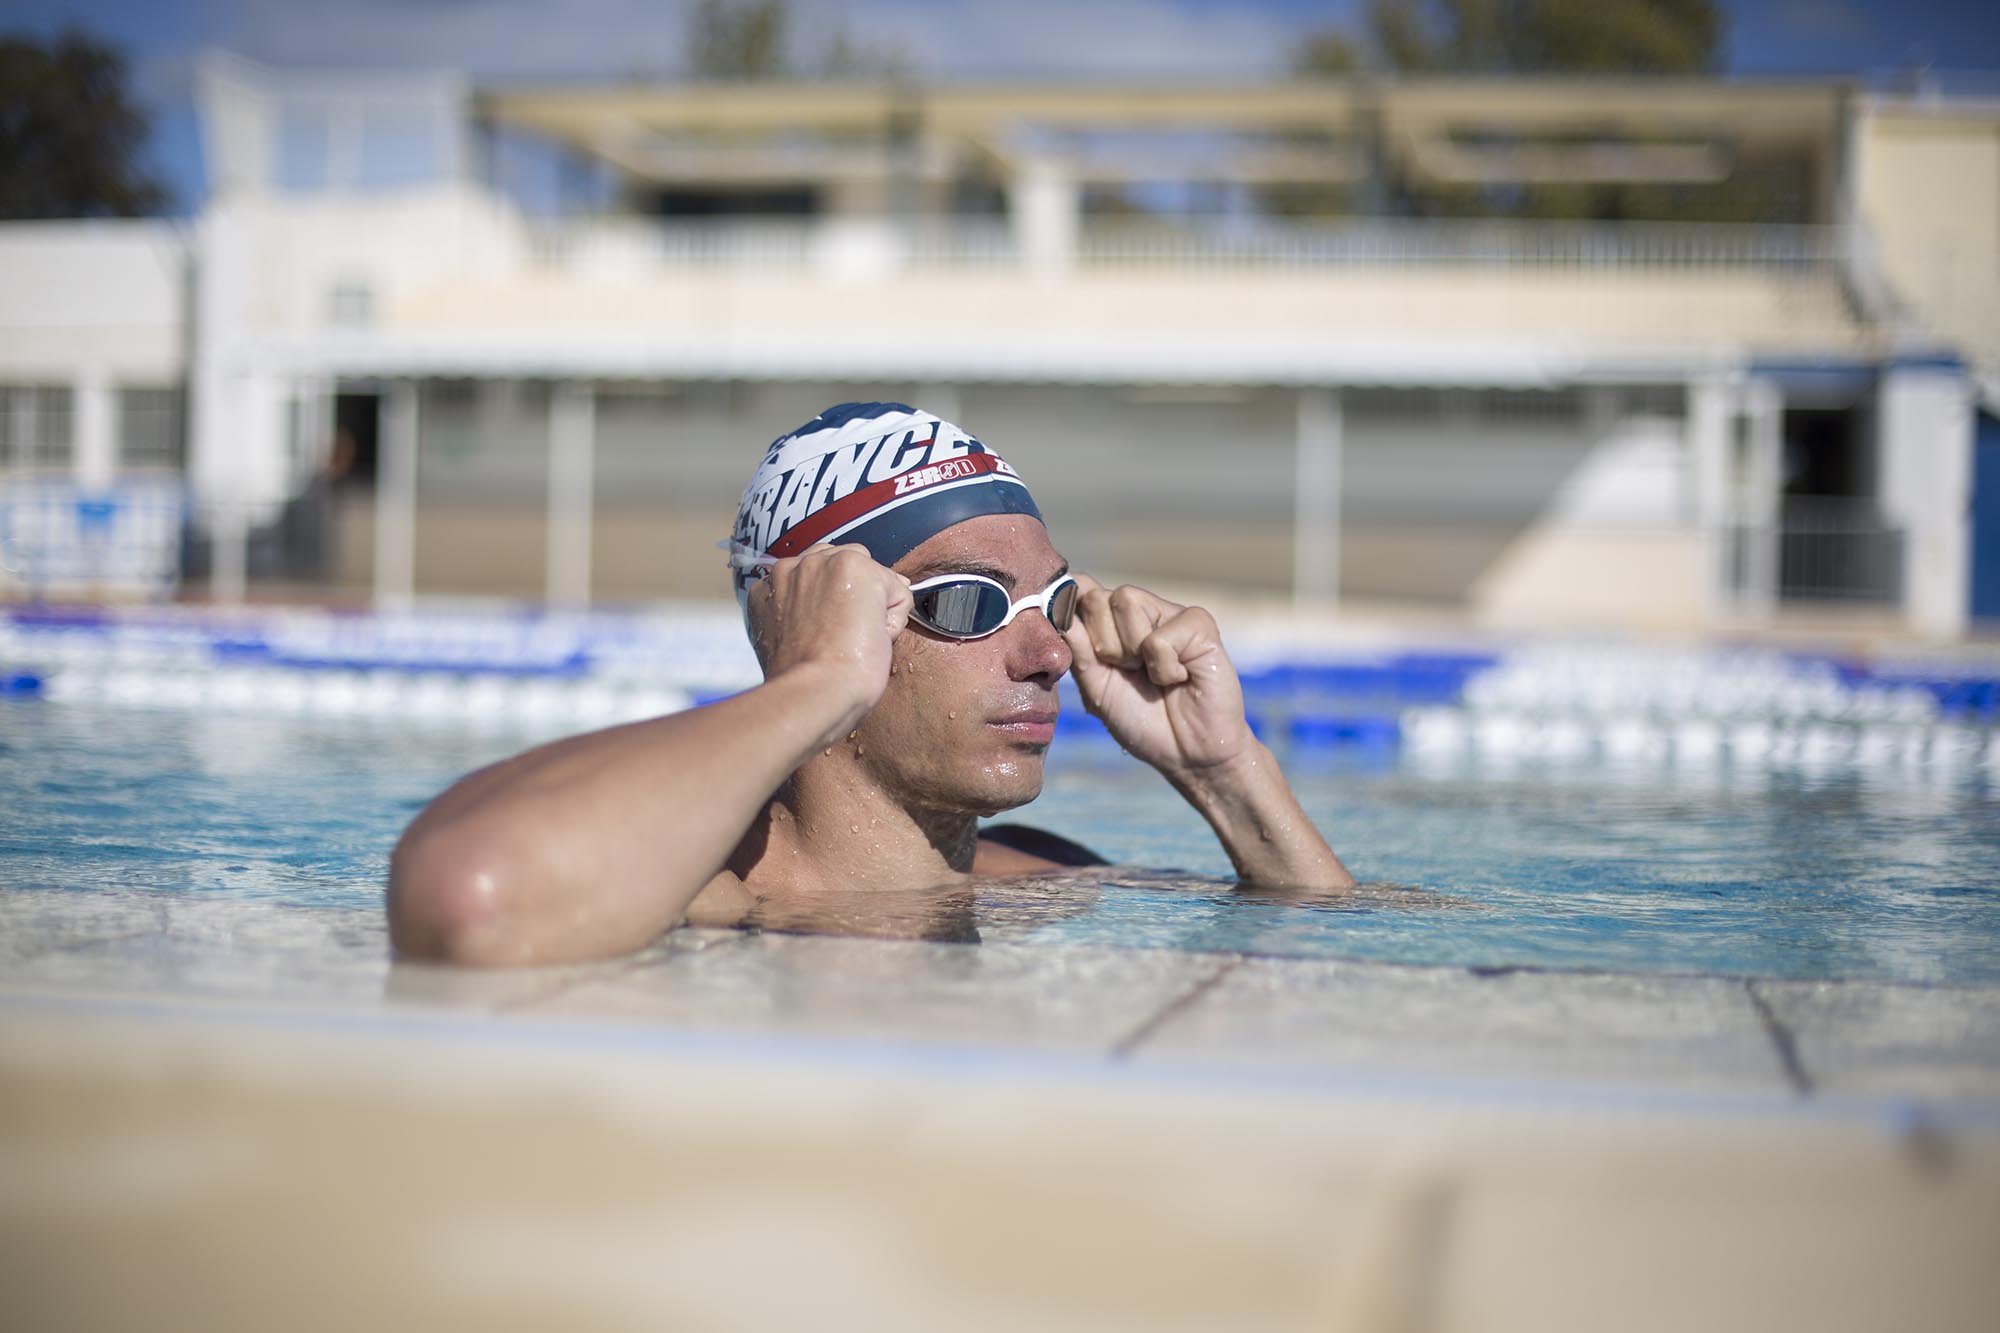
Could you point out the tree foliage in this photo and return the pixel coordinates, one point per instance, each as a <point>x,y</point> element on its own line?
<point>1526,37</point>
<point>70,137</point>
<point>739,39</point>
<point>753,39</point>
<point>1544,37</point>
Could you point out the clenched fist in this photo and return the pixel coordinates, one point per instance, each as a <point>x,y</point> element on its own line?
<point>1157,674</point>
<point>834,611</point>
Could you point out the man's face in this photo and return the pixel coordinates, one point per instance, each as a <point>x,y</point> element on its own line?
<point>964,724</point>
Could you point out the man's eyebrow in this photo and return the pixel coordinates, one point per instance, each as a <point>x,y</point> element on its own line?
<point>951,565</point>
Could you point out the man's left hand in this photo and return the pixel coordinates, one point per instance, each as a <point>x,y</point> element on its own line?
<point>1157,674</point>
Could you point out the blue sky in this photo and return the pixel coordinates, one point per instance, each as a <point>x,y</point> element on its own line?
<point>596,39</point>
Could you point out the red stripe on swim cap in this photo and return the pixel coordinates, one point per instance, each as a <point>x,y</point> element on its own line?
<point>817,526</point>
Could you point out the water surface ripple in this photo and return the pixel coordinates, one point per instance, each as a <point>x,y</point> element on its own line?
<point>1735,871</point>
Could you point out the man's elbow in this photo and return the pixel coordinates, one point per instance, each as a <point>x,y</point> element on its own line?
<point>447,905</point>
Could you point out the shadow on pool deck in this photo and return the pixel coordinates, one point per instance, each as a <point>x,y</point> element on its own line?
<point>233,1115</point>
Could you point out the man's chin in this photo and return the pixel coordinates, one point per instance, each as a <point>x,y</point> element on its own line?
<point>1006,791</point>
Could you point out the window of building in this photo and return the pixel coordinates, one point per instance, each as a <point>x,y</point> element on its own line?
<point>1555,406</point>
<point>350,304</point>
<point>1654,400</point>
<point>35,429</point>
<point>149,429</point>
<point>1378,403</point>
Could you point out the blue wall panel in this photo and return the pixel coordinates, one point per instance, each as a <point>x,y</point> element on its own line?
<point>1986,519</point>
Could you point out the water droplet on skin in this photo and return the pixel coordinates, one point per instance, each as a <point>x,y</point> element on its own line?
<point>854,828</point>
<point>852,734</point>
<point>827,750</point>
<point>952,715</point>
<point>860,750</point>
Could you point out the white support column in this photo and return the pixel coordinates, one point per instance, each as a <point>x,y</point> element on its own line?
<point>1316,499</point>
<point>572,468</point>
<point>1761,482</point>
<point>1708,402</point>
<point>225,241</point>
<point>396,500</point>
<point>312,430</point>
<point>1046,206</point>
<point>1927,418</point>
<point>225,493</point>
<point>328,423</point>
<point>94,429</point>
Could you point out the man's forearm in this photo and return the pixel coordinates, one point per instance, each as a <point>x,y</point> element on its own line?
<point>591,846</point>
<point>1268,836</point>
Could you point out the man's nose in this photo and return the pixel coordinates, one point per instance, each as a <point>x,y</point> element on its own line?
<point>1038,649</point>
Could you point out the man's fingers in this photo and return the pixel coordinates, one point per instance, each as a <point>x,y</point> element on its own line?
<point>1084,668</point>
<point>1137,613</point>
<point>1183,638</point>
<point>819,600</point>
<point>1120,626</point>
<point>1163,660</point>
<point>900,602</point>
<point>1093,612</point>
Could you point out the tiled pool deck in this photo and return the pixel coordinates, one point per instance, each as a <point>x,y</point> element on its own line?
<point>228,1115</point>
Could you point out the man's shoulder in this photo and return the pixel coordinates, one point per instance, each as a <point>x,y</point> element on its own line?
<point>1019,849</point>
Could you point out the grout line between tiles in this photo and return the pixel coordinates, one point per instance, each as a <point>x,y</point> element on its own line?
<point>1782,1041</point>
<point>1131,1041</point>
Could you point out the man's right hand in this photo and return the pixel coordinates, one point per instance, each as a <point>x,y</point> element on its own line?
<point>833,611</point>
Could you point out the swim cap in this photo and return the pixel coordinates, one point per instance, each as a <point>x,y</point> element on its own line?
<point>883,475</point>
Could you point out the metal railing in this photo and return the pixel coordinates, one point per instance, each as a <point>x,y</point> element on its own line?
<point>1423,243</point>
<point>623,243</point>
<point>1822,549</point>
<point>61,539</point>
<point>614,242</point>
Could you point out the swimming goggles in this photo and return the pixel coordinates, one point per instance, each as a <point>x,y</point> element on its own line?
<point>972,606</point>
<point>958,606</point>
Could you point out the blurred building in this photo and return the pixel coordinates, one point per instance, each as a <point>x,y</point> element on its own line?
<point>1682,353</point>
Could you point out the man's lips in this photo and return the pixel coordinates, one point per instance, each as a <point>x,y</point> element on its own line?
<point>1028,724</point>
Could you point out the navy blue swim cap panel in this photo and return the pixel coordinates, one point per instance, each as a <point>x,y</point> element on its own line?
<point>896,532</point>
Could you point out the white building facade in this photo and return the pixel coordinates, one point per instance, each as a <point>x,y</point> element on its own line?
<point>366,371</point>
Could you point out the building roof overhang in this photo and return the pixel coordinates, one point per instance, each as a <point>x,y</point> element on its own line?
<point>1453,129</point>
<point>935,357</point>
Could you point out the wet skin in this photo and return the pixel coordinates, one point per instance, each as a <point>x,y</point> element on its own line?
<point>964,726</point>
<point>960,730</point>
<point>861,764</point>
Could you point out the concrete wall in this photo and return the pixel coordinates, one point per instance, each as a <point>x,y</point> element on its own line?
<point>1192,487</point>
<point>1620,543</point>
<point>1927,182</point>
<point>104,295</point>
<point>93,307</point>
<point>1639,308</point>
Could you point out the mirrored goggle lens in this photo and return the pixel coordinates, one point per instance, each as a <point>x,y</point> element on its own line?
<point>1062,607</point>
<point>962,608</point>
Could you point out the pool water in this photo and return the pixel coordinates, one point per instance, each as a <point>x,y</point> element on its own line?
<point>1640,868</point>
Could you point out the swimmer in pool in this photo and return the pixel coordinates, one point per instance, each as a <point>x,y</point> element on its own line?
<point>912,620</point>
